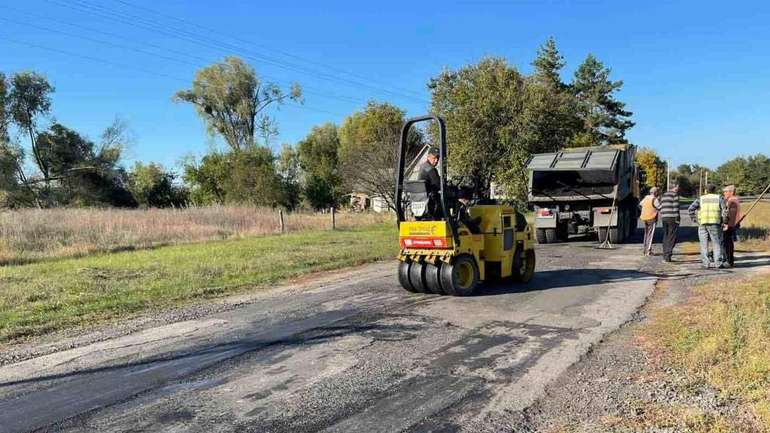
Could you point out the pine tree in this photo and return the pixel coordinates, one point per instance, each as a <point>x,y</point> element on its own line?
<point>550,110</point>
<point>548,64</point>
<point>605,120</point>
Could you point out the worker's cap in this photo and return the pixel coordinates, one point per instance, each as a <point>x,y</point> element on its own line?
<point>434,151</point>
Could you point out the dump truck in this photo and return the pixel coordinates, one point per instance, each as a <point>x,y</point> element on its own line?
<point>589,190</point>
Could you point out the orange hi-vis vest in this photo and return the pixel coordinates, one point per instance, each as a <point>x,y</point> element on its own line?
<point>649,211</point>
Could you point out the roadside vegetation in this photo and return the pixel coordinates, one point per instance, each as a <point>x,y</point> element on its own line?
<point>43,297</point>
<point>718,338</point>
<point>755,229</point>
<point>30,235</point>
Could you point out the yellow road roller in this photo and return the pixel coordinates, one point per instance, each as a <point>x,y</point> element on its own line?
<point>451,242</point>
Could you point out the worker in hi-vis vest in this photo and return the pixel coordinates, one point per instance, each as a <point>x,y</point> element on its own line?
<point>650,206</point>
<point>709,212</point>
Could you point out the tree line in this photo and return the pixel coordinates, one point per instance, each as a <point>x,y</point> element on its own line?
<point>750,174</point>
<point>496,117</point>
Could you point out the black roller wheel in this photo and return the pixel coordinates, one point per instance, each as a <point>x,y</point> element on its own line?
<point>403,276</point>
<point>461,277</point>
<point>433,279</point>
<point>540,236</point>
<point>417,277</point>
<point>523,266</point>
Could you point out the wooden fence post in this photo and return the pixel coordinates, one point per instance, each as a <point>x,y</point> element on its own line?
<point>281,221</point>
<point>333,218</point>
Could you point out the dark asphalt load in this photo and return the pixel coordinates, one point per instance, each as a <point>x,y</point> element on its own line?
<point>347,353</point>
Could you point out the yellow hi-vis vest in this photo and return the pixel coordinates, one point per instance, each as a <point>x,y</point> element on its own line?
<point>709,210</point>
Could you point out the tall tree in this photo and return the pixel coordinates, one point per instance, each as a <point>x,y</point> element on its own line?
<point>232,101</point>
<point>245,177</point>
<point>5,119</point>
<point>154,186</point>
<point>750,174</point>
<point>605,119</point>
<point>288,168</point>
<point>550,119</point>
<point>548,64</point>
<point>483,106</point>
<point>318,157</point>
<point>80,172</point>
<point>8,166</point>
<point>653,167</point>
<point>368,150</point>
<point>30,98</point>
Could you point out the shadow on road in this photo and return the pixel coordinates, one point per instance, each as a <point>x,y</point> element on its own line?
<point>556,279</point>
<point>684,234</point>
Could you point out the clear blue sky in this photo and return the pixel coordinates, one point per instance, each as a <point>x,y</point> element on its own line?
<point>696,73</point>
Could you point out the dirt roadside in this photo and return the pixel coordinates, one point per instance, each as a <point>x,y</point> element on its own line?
<point>621,386</point>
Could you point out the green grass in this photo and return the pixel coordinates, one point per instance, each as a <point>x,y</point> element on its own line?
<point>43,297</point>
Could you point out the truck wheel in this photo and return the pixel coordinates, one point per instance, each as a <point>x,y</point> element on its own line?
<point>417,277</point>
<point>601,234</point>
<point>620,229</point>
<point>523,267</point>
<point>550,236</point>
<point>540,236</point>
<point>461,277</point>
<point>562,232</point>
<point>403,276</point>
<point>433,279</point>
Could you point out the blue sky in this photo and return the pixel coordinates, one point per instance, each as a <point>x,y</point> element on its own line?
<point>696,73</point>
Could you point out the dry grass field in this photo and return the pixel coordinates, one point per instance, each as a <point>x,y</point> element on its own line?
<point>756,227</point>
<point>61,268</point>
<point>31,235</point>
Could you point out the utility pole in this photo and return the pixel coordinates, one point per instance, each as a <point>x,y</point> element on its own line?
<point>668,175</point>
<point>700,183</point>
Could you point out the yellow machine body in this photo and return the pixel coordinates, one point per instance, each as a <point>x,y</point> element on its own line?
<point>493,248</point>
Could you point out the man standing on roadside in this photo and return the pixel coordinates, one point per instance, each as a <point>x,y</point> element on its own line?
<point>731,226</point>
<point>709,212</point>
<point>669,215</point>
<point>650,206</point>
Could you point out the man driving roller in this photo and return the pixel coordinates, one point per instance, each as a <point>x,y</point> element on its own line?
<point>428,170</point>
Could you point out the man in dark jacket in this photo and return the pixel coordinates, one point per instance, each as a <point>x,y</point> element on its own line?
<point>731,226</point>
<point>428,170</point>
<point>669,215</point>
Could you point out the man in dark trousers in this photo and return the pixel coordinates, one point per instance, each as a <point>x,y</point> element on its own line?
<point>710,212</point>
<point>731,226</point>
<point>669,215</point>
<point>428,170</point>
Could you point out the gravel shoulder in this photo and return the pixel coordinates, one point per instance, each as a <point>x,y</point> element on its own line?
<point>622,386</point>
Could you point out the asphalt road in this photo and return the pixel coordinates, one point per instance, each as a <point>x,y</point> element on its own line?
<point>351,352</point>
